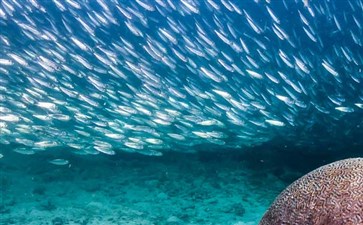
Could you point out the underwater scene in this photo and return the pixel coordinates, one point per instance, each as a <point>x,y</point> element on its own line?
<point>178,112</point>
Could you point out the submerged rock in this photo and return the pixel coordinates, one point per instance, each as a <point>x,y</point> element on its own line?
<point>174,220</point>
<point>57,221</point>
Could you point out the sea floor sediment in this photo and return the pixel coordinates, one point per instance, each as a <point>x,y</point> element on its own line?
<point>131,189</point>
<point>209,188</point>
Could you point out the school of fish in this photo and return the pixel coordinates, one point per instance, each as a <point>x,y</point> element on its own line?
<point>149,76</point>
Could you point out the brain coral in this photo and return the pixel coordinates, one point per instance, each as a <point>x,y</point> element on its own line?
<point>329,195</point>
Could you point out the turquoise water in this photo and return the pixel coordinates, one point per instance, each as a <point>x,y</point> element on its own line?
<point>200,188</point>
<point>129,189</point>
<point>172,111</point>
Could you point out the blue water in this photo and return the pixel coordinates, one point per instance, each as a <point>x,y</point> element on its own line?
<point>88,59</point>
<point>172,112</point>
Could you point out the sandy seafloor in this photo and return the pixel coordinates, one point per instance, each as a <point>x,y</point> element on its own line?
<point>205,188</point>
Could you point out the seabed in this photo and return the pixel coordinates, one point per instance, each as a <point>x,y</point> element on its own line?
<point>201,188</point>
<point>229,187</point>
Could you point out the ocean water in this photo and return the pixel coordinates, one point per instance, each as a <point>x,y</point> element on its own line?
<point>172,111</point>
